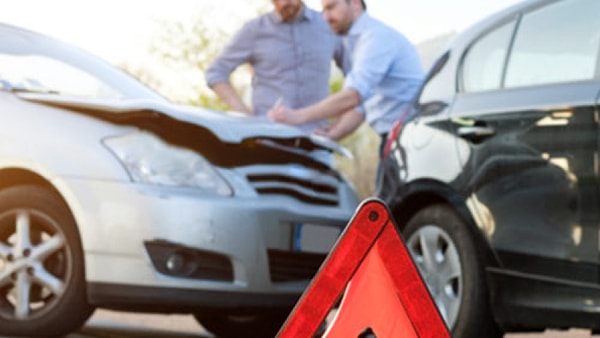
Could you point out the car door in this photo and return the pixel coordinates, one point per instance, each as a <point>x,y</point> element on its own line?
<point>527,125</point>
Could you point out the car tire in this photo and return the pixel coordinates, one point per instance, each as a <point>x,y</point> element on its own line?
<point>42,285</point>
<point>258,324</point>
<point>451,265</point>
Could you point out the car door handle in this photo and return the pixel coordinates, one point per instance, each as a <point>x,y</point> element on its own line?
<point>476,132</point>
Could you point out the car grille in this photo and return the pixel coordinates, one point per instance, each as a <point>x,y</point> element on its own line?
<point>291,266</point>
<point>301,184</point>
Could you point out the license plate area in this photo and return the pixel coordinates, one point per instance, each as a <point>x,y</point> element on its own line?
<point>314,238</point>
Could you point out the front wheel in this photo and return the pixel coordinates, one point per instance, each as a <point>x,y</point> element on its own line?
<point>452,267</point>
<point>42,290</point>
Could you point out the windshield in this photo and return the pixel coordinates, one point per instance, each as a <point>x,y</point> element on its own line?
<point>33,62</point>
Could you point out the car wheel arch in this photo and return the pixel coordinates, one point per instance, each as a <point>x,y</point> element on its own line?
<point>17,176</point>
<point>12,177</point>
<point>423,194</point>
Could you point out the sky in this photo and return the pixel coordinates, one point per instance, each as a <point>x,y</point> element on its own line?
<point>121,31</point>
<point>118,29</point>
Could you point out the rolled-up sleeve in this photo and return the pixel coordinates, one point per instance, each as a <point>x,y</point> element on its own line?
<point>235,53</point>
<point>371,61</point>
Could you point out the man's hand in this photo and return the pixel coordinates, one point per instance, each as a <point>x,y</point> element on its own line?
<point>323,131</point>
<point>226,93</point>
<point>342,126</point>
<point>284,114</point>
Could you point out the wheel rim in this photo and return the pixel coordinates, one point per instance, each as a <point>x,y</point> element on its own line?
<point>437,259</point>
<point>35,264</point>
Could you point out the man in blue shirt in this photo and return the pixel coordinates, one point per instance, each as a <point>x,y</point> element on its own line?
<point>290,50</point>
<point>385,72</point>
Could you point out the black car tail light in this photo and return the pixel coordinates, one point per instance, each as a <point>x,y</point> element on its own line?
<point>393,134</point>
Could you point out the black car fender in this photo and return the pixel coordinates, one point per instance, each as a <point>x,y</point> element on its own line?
<point>411,197</point>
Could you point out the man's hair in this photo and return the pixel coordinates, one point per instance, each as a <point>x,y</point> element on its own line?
<point>362,2</point>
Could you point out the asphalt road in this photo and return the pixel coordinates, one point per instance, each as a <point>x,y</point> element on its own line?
<point>109,324</point>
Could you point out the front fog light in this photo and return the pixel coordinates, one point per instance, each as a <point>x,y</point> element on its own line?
<point>180,264</point>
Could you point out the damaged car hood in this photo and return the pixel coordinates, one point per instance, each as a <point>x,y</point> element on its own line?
<point>162,117</point>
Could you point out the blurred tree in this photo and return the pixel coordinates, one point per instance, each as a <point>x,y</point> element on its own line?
<point>189,47</point>
<point>360,169</point>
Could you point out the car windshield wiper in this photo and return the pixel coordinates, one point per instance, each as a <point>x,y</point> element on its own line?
<point>6,85</point>
<point>33,90</point>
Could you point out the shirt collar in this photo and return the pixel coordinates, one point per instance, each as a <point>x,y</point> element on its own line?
<point>304,16</point>
<point>360,24</point>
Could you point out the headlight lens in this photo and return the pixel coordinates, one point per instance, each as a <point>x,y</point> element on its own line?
<point>150,160</point>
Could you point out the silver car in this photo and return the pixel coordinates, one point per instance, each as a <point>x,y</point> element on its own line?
<point>112,197</point>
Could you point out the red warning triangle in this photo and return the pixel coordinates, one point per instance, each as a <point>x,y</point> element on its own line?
<point>383,292</point>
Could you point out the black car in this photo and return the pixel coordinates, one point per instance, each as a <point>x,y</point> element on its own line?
<point>493,173</point>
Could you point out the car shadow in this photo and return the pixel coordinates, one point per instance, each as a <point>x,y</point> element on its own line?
<point>93,331</point>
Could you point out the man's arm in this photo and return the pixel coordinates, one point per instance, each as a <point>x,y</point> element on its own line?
<point>227,94</point>
<point>343,125</point>
<point>236,52</point>
<point>332,106</point>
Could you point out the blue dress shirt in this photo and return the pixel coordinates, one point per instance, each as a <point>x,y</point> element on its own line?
<point>385,69</point>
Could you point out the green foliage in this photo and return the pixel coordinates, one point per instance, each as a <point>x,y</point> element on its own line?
<point>208,101</point>
<point>336,84</point>
<point>188,46</point>
<point>185,47</point>
<point>361,169</point>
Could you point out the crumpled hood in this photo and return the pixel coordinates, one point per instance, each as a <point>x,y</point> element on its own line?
<point>229,127</point>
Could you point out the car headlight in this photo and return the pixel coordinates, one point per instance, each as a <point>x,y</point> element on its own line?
<point>150,160</point>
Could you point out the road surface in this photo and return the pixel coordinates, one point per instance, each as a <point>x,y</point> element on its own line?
<point>110,324</point>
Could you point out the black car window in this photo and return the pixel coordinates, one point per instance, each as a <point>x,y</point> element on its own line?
<point>557,43</point>
<point>429,97</point>
<point>484,62</point>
